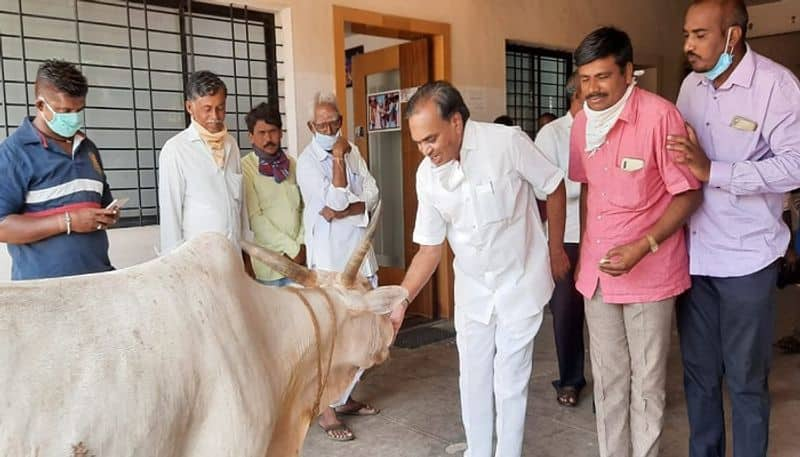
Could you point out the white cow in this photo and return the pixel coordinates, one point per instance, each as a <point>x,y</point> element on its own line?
<point>182,356</point>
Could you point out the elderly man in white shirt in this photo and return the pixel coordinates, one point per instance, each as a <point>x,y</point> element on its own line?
<point>567,303</point>
<point>338,194</point>
<point>475,189</point>
<point>200,177</point>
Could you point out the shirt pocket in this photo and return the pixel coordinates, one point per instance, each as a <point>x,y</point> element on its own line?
<point>495,199</point>
<point>628,188</point>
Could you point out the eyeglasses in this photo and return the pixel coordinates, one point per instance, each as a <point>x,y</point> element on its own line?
<point>328,126</point>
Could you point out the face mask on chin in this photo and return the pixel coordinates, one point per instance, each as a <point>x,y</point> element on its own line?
<point>449,174</point>
<point>723,63</point>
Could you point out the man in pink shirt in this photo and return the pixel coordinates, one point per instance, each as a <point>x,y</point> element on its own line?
<point>633,263</point>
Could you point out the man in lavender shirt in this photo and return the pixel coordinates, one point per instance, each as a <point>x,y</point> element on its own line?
<point>745,147</point>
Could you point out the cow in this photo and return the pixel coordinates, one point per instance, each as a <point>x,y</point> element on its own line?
<point>185,355</point>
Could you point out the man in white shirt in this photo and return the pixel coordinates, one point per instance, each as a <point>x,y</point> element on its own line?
<point>200,177</point>
<point>567,303</point>
<point>475,189</point>
<point>338,193</point>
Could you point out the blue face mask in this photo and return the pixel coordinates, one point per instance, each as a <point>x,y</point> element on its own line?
<point>65,125</point>
<point>723,63</point>
<point>326,142</point>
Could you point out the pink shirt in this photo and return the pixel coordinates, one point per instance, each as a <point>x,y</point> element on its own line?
<point>623,205</point>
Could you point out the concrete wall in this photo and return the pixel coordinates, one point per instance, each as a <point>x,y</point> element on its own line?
<point>479,30</point>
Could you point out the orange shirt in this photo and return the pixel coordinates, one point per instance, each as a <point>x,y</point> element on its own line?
<point>631,180</point>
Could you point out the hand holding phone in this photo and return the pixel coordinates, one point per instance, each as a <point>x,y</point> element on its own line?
<point>118,203</point>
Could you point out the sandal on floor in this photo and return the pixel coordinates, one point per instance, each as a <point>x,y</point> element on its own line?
<point>567,396</point>
<point>360,409</point>
<point>338,432</point>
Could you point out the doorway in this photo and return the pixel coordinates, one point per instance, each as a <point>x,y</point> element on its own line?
<point>413,53</point>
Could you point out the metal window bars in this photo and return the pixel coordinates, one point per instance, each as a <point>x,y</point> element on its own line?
<point>137,55</point>
<point>535,84</point>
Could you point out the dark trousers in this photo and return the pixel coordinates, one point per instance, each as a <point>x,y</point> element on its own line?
<point>726,328</point>
<point>567,308</point>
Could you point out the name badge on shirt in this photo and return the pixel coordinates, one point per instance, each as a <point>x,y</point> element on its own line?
<point>631,164</point>
<point>744,124</point>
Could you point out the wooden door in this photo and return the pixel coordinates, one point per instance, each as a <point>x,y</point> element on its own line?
<point>408,65</point>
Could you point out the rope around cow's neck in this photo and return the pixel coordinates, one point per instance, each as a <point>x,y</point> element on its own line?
<point>321,383</point>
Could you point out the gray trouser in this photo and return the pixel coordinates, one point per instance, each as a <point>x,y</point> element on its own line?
<point>628,345</point>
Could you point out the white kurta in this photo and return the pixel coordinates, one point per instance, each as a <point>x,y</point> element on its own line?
<point>502,272</point>
<point>196,195</point>
<point>330,244</point>
<point>501,261</point>
<point>553,141</point>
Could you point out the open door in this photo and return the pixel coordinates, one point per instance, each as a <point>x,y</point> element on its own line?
<point>382,135</point>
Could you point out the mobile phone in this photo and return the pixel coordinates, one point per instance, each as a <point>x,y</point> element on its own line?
<point>118,203</point>
<point>605,261</point>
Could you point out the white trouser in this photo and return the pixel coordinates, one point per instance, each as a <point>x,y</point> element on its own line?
<point>499,354</point>
<point>347,392</point>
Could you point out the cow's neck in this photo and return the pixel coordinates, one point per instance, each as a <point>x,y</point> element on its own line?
<point>292,336</point>
<point>292,339</point>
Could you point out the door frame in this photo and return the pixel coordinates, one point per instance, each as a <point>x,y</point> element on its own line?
<point>387,25</point>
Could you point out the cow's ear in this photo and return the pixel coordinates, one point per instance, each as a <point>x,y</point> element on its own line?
<point>382,299</point>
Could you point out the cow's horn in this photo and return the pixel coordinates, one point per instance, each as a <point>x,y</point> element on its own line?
<point>297,273</point>
<point>357,258</point>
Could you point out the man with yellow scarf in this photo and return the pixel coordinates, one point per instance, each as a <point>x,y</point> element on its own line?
<point>200,176</point>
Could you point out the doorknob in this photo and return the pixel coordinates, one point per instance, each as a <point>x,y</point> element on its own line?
<point>359,131</point>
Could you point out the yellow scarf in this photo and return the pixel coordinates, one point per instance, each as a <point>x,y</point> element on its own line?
<point>215,141</point>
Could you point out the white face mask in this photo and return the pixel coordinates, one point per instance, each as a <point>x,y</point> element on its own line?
<point>449,174</point>
<point>599,123</point>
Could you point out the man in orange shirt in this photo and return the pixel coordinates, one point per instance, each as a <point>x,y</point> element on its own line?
<point>633,263</point>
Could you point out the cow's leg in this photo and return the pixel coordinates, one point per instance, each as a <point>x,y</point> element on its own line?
<point>289,434</point>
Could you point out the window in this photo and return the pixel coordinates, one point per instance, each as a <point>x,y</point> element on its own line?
<point>137,56</point>
<point>535,80</point>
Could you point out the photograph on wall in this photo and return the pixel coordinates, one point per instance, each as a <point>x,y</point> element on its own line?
<point>348,62</point>
<point>383,109</point>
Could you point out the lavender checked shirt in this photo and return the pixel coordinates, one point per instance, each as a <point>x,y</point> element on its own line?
<point>750,130</point>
